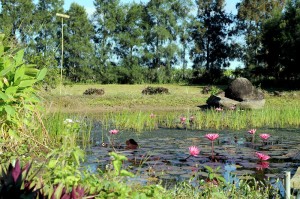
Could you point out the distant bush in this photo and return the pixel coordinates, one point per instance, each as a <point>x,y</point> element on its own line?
<point>155,90</point>
<point>94,91</point>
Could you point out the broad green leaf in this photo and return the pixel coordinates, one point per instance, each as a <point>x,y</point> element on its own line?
<point>3,96</point>
<point>31,71</point>
<point>6,70</point>
<point>19,57</point>
<point>41,75</point>
<point>20,72</point>
<point>9,110</point>
<point>26,83</point>
<point>1,84</point>
<point>117,166</point>
<point>58,191</point>
<point>1,49</point>
<point>126,173</point>
<point>118,156</point>
<point>11,90</point>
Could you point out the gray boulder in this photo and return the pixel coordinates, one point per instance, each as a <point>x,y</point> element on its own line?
<point>241,89</point>
<point>240,94</point>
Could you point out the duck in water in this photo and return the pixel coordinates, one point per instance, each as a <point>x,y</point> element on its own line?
<point>131,144</point>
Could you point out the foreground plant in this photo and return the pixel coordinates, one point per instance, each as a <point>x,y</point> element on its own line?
<point>17,80</point>
<point>15,182</point>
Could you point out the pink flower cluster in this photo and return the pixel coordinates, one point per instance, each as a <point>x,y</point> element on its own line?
<point>114,131</point>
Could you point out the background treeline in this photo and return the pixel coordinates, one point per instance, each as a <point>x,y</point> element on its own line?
<point>162,41</point>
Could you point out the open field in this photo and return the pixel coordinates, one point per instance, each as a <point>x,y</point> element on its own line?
<point>129,97</point>
<point>123,97</point>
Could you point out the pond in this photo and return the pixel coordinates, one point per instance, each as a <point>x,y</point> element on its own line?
<point>162,154</point>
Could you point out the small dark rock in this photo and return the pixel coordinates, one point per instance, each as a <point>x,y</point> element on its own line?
<point>155,90</point>
<point>94,91</point>
<point>278,94</point>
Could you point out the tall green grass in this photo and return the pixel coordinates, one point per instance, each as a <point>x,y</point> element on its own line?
<point>281,117</point>
<point>77,132</point>
<point>124,107</point>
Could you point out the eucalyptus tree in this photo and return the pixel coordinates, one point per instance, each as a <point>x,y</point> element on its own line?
<point>43,46</point>
<point>78,49</point>
<point>212,36</point>
<point>161,28</point>
<point>106,20</point>
<point>129,40</point>
<point>15,19</point>
<point>250,17</point>
<point>44,42</point>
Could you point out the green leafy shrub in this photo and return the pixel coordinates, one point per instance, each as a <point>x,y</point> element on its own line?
<point>17,80</point>
<point>214,90</point>
<point>155,90</point>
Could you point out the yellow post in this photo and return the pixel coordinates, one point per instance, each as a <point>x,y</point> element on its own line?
<point>62,46</point>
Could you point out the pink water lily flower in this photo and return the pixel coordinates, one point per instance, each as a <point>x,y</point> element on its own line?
<point>252,131</point>
<point>194,151</point>
<point>152,115</point>
<point>263,165</point>
<point>114,131</point>
<point>264,136</point>
<point>212,136</point>
<point>182,120</point>
<point>262,156</point>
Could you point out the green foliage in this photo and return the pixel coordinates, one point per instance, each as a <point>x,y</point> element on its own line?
<point>78,48</point>
<point>117,163</point>
<point>209,31</point>
<point>63,168</point>
<point>17,80</point>
<point>13,22</point>
<point>214,90</point>
<point>280,39</point>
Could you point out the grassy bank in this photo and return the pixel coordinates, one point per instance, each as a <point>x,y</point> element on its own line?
<point>124,107</point>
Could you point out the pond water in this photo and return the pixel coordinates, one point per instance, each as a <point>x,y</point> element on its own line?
<point>161,154</point>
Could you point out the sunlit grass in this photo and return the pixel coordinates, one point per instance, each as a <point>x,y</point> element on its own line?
<point>124,107</point>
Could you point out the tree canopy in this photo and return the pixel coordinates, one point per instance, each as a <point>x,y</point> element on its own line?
<point>161,41</point>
